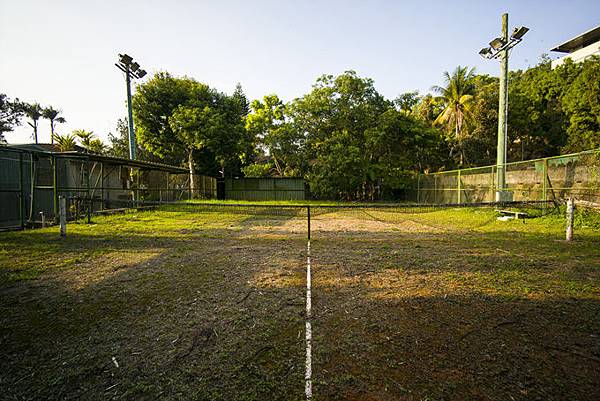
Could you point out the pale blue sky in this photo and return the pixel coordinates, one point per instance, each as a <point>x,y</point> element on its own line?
<point>62,52</point>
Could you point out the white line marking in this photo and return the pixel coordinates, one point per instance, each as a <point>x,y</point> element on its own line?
<point>308,374</point>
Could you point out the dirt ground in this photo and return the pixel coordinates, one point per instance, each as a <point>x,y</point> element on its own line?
<point>207,307</point>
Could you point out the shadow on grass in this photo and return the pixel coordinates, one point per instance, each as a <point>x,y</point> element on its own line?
<point>191,322</point>
<point>455,347</point>
<point>477,317</point>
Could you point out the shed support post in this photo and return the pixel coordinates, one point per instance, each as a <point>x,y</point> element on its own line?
<point>21,192</point>
<point>89,199</point>
<point>101,185</point>
<point>55,187</point>
<point>32,193</point>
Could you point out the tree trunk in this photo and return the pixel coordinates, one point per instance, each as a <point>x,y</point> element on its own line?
<point>277,166</point>
<point>35,131</point>
<point>52,132</point>
<point>191,167</point>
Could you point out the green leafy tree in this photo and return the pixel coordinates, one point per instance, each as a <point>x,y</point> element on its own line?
<point>52,115</point>
<point>164,103</point>
<point>358,145</point>
<point>118,144</point>
<point>258,170</point>
<point>11,113</point>
<point>267,123</point>
<point>97,146</point>
<point>479,143</point>
<point>153,104</point>
<point>333,122</point>
<point>406,102</point>
<point>581,103</point>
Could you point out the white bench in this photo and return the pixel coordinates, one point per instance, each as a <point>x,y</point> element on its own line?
<point>511,214</point>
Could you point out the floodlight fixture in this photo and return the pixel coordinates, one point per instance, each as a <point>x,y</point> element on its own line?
<point>519,32</point>
<point>485,52</point>
<point>497,43</point>
<point>134,67</point>
<point>141,73</point>
<point>125,59</point>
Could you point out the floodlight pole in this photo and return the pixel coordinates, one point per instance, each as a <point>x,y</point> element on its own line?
<point>132,144</point>
<point>131,70</point>
<point>501,194</point>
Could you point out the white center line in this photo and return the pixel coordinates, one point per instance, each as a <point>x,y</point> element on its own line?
<point>308,374</point>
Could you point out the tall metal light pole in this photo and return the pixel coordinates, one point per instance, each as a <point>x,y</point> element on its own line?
<point>131,70</point>
<point>498,49</point>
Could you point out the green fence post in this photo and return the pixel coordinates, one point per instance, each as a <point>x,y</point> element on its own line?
<point>55,187</point>
<point>493,184</point>
<point>22,193</point>
<point>89,199</point>
<point>458,186</point>
<point>101,185</point>
<point>545,181</point>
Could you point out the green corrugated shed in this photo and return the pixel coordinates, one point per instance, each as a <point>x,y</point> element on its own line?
<point>262,189</point>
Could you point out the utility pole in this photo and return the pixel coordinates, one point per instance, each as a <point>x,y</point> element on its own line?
<point>131,70</point>
<point>501,194</point>
<point>498,49</point>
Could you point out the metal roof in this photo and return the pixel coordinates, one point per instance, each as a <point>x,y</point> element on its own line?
<point>585,39</point>
<point>146,165</point>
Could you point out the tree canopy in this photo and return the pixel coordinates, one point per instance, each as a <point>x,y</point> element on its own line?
<point>343,136</point>
<point>182,120</point>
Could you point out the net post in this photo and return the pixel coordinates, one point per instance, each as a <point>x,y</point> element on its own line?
<point>21,192</point>
<point>459,189</point>
<point>62,213</point>
<point>308,220</point>
<point>570,218</point>
<point>545,181</point>
<point>54,162</point>
<point>89,198</point>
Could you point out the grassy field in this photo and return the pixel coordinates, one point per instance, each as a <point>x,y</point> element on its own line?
<point>208,304</point>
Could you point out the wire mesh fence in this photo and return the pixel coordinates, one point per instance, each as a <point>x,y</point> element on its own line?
<point>553,178</point>
<point>315,218</point>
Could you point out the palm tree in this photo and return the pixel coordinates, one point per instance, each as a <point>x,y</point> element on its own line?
<point>65,142</point>
<point>34,112</point>
<point>86,138</point>
<point>458,98</point>
<point>49,113</point>
<point>97,146</point>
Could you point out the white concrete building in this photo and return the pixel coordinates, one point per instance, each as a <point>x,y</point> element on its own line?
<point>579,48</point>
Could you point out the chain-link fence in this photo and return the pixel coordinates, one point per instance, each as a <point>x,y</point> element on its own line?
<point>547,179</point>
